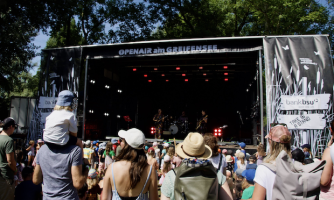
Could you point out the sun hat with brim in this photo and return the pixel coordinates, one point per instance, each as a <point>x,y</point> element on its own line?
<point>134,137</point>
<point>229,158</point>
<point>193,146</point>
<point>277,132</point>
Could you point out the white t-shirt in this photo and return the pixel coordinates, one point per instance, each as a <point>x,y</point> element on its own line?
<point>215,162</point>
<point>57,126</point>
<point>266,178</point>
<point>242,166</point>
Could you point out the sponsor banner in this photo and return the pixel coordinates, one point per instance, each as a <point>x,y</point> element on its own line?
<point>310,102</point>
<point>303,121</point>
<point>47,102</point>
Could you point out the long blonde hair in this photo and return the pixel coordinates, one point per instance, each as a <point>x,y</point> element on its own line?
<point>276,148</point>
<point>63,108</point>
<point>241,157</point>
<point>171,152</point>
<point>92,182</point>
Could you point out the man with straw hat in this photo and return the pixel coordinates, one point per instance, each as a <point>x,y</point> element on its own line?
<point>194,153</point>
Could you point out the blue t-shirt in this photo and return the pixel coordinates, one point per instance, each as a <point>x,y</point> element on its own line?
<point>27,190</point>
<point>56,163</point>
<point>243,151</point>
<point>251,166</point>
<point>235,164</point>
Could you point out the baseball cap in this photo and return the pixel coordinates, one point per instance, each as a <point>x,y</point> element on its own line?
<point>242,144</point>
<point>306,146</point>
<point>146,147</point>
<point>102,145</point>
<point>92,174</point>
<point>114,141</point>
<point>65,98</point>
<point>249,174</point>
<point>239,172</point>
<point>9,122</point>
<point>277,132</point>
<point>166,145</point>
<point>134,137</point>
<point>224,151</point>
<point>155,144</point>
<point>237,152</point>
<point>88,142</point>
<point>167,158</point>
<point>150,150</point>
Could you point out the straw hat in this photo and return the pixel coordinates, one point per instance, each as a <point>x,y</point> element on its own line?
<point>229,158</point>
<point>193,146</point>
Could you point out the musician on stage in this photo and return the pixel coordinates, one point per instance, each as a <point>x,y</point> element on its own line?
<point>202,122</point>
<point>183,118</point>
<point>158,120</point>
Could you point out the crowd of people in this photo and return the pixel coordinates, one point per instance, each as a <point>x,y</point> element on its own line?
<point>61,166</point>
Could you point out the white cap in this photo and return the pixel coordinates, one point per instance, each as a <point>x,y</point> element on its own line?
<point>166,158</point>
<point>134,137</point>
<point>88,142</point>
<point>155,144</point>
<point>166,145</point>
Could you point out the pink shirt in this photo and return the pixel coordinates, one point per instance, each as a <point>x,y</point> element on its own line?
<point>327,192</point>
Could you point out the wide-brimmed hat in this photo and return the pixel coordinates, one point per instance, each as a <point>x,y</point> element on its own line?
<point>229,158</point>
<point>193,146</point>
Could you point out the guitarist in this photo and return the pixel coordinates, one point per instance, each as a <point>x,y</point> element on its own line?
<point>202,122</point>
<point>158,120</point>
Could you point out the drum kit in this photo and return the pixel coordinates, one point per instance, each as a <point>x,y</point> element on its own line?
<point>179,127</point>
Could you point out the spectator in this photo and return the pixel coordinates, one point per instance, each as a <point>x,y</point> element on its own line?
<point>40,142</point>
<point>224,152</point>
<point>146,150</point>
<point>327,176</point>
<point>133,177</point>
<point>27,190</point>
<point>217,159</point>
<point>237,192</point>
<point>118,149</point>
<point>298,155</point>
<point>307,151</point>
<point>242,146</point>
<point>195,145</point>
<point>151,158</point>
<point>236,160</point>
<point>114,142</point>
<point>109,155</point>
<point>93,186</point>
<point>167,166</point>
<point>7,160</point>
<point>31,152</point>
<point>241,161</point>
<point>230,165</point>
<point>260,154</point>
<point>251,164</point>
<point>164,151</point>
<point>157,152</point>
<point>176,160</point>
<point>248,183</point>
<point>19,165</point>
<point>229,180</point>
<point>102,147</point>
<point>308,161</point>
<point>279,139</point>
<point>82,192</point>
<point>62,171</point>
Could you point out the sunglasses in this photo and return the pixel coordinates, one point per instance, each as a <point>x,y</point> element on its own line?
<point>278,124</point>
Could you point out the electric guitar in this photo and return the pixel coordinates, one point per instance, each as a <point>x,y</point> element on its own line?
<point>156,122</point>
<point>200,122</point>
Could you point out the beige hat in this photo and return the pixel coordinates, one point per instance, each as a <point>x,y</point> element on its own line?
<point>193,146</point>
<point>229,158</point>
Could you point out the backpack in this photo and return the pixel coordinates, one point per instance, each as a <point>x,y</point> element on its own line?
<point>195,181</point>
<point>295,180</point>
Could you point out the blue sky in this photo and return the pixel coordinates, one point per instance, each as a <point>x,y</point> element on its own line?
<point>41,39</point>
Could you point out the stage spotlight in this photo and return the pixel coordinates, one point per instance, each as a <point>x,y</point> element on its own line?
<point>183,74</point>
<point>119,91</point>
<point>118,116</point>
<point>247,90</point>
<point>149,81</point>
<point>225,74</point>
<point>134,69</point>
<point>107,86</point>
<point>226,79</point>
<point>91,111</point>
<point>155,69</point>
<point>225,67</point>
<point>92,81</point>
<point>167,80</point>
<point>177,68</point>
<point>186,80</point>
<point>204,74</point>
<point>162,74</point>
<point>206,80</point>
<point>200,68</point>
<point>106,114</point>
<point>145,75</point>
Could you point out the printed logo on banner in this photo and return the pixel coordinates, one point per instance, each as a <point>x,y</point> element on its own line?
<point>309,102</point>
<point>47,102</point>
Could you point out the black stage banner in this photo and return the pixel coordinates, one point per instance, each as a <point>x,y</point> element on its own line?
<point>299,87</point>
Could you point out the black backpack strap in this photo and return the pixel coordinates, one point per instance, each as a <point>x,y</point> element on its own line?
<point>174,172</point>
<point>220,162</point>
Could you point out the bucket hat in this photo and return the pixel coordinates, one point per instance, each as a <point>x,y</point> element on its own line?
<point>193,146</point>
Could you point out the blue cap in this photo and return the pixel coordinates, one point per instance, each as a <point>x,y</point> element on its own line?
<point>306,146</point>
<point>146,147</point>
<point>94,143</point>
<point>242,144</point>
<point>65,98</point>
<point>307,155</point>
<point>249,174</point>
<point>114,141</point>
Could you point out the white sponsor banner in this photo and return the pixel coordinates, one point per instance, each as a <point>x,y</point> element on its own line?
<point>304,121</point>
<point>47,102</point>
<point>309,102</point>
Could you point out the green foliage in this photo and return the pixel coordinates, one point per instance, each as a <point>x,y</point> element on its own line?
<point>58,39</point>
